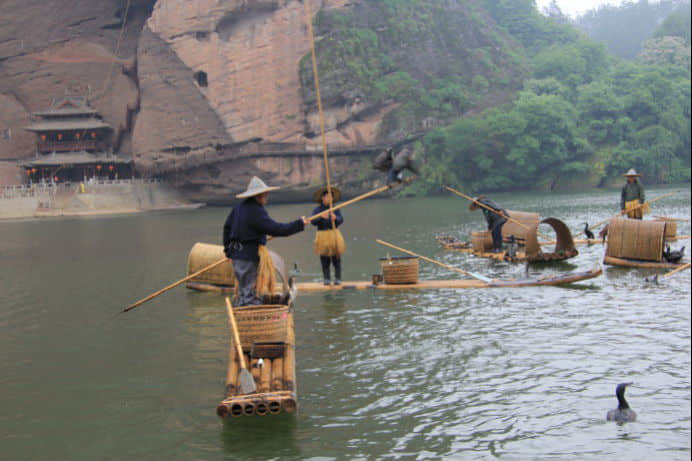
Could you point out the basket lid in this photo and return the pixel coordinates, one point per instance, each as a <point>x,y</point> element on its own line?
<point>399,258</point>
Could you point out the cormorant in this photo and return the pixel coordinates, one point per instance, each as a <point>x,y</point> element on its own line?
<point>623,413</point>
<point>587,232</point>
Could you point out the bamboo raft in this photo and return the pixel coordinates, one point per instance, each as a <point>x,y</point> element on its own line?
<point>275,380</point>
<point>554,280</point>
<point>531,252</point>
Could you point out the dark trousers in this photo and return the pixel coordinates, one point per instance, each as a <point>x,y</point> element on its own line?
<point>496,230</point>
<point>336,261</point>
<point>246,275</point>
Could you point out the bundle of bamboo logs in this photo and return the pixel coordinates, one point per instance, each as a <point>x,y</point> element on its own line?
<point>275,379</point>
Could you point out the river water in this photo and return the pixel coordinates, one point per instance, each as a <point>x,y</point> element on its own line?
<point>468,374</point>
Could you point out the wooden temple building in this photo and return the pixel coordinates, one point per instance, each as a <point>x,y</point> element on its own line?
<point>73,144</point>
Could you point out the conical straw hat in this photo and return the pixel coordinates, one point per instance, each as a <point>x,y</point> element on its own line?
<point>317,196</point>
<point>632,172</point>
<point>256,187</point>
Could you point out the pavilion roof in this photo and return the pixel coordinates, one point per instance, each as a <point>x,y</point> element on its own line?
<point>69,124</point>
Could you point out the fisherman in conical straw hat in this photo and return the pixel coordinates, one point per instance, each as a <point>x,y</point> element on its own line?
<point>329,243</point>
<point>245,238</point>
<point>632,196</point>
<point>495,219</point>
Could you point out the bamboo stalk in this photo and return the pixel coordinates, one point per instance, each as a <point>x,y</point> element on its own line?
<point>277,373</point>
<point>635,208</point>
<point>265,376</point>
<point>289,365</point>
<point>446,266</point>
<point>173,285</point>
<point>679,269</point>
<point>311,39</point>
<point>509,218</point>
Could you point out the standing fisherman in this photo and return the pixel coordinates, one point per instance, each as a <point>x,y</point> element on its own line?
<point>495,219</point>
<point>245,238</point>
<point>329,243</point>
<point>632,196</point>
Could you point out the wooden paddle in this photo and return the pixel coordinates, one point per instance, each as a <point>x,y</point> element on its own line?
<point>173,285</point>
<point>635,208</point>
<point>247,382</point>
<point>509,218</point>
<point>446,266</point>
<point>679,269</point>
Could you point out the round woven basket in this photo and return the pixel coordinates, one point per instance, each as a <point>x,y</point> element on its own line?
<point>204,254</point>
<point>400,270</point>
<point>263,323</point>
<point>481,241</point>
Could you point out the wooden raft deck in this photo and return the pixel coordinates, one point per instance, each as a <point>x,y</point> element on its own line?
<point>276,383</point>
<point>440,284</point>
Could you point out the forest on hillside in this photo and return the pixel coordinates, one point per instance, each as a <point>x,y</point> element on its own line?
<point>567,113</point>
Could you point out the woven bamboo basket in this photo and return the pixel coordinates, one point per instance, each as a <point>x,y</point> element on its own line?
<point>400,270</point>
<point>671,230</point>
<point>529,220</point>
<point>481,241</point>
<point>261,324</point>
<point>635,239</point>
<point>204,254</point>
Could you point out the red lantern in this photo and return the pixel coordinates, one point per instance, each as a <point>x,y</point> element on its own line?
<point>55,179</point>
<point>93,135</point>
<point>98,167</point>
<point>59,136</point>
<point>28,172</point>
<point>33,170</point>
<point>76,136</point>
<point>110,167</point>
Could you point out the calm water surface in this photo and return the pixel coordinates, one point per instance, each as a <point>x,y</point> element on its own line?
<point>468,374</point>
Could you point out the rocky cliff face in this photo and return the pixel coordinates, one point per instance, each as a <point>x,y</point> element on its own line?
<point>208,93</point>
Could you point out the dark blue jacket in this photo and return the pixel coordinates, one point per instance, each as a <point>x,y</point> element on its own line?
<point>326,223</point>
<point>492,218</point>
<point>247,227</point>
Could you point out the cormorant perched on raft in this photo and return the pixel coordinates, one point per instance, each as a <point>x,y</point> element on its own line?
<point>395,164</point>
<point>587,232</point>
<point>623,413</point>
<point>673,256</point>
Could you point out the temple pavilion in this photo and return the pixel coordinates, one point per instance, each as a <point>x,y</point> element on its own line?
<point>73,143</point>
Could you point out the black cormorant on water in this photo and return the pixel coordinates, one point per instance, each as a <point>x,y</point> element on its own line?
<point>623,413</point>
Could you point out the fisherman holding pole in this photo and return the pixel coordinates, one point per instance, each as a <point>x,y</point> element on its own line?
<point>495,216</point>
<point>245,238</point>
<point>632,197</point>
<point>329,243</point>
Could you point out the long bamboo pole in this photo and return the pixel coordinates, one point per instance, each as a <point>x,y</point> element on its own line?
<point>666,218</point>
<point>311,39</point>
<point>635,208</point>
<point>175,284</point>
<point>509,218</point>
<point>446,266</point>
<point>679,269</point>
